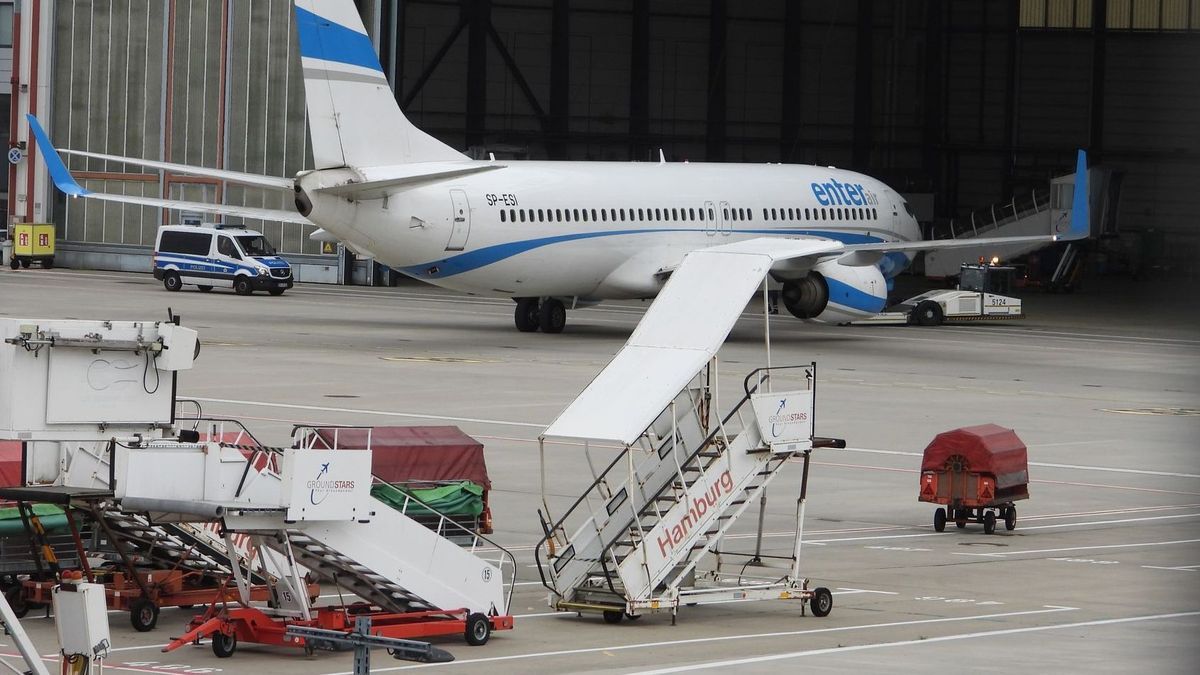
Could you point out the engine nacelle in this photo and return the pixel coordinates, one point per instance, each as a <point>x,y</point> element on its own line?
<point>836,293</point>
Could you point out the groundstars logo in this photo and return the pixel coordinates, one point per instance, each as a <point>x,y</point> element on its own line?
<point>781,419</point>
<point>319,490</point>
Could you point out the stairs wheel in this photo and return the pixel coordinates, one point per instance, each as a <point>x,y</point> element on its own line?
<point>223,645</point>
<point>479,629</point>
<point>613,616</point>
<point>15,595</point>
<point>821,602</point>
<point>143,614</point>
<point>633,617</point>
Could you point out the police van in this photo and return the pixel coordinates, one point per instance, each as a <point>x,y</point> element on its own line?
<point>229,256</point>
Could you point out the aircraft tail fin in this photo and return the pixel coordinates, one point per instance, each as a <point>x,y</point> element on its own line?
<point>352,115</point>
<point>1081,218</point>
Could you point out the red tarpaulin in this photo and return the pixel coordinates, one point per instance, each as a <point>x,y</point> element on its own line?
<point>987,448</point>
<point>10,464</point>
<point>408,454</point>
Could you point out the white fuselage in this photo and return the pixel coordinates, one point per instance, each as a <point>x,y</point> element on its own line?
<point>604,230</point>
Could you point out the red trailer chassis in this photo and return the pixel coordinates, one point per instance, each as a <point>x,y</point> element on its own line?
<point>227,626</point>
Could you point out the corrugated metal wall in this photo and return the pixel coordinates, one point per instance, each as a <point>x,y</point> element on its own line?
<point>211,83</point>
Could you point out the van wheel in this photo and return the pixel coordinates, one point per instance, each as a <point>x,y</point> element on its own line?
<point>242,286</point>
<point>205,289</point>
<point>276,291</point>
<point>172,282</point>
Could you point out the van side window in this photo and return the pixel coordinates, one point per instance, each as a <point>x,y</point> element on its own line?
<point>190,243</point>
<point>225,247</point>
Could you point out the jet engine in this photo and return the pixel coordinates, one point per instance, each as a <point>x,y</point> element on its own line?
<point>835,293</point>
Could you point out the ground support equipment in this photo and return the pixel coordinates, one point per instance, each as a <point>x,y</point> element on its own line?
<point>362,640</point>
<point>975,474</point>
<point>634,541</point>
<point>226,627</point>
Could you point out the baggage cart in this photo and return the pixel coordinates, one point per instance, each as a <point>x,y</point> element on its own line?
<point>975,474</point>
<point>32,242</point>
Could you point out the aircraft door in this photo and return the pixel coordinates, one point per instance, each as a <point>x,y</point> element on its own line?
<point>710,219</point>
<point>460,221</point>
<point>724,223</point>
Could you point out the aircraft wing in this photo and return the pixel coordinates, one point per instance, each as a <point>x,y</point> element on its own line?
<point>68,185</point>
<point>685,326</point>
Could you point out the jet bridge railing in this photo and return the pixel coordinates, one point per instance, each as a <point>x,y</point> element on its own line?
<point>727,427</point>
<point>307,437</point>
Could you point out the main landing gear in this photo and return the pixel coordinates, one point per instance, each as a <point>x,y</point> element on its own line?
<point>547,314</point>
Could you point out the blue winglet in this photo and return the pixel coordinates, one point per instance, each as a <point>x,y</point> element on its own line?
<point>1081,221</point>
<point>58,171</point>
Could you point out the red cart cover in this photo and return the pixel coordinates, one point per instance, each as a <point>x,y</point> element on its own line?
<point>10,464</point>
<point>408,454</point>
<point>987,448</point>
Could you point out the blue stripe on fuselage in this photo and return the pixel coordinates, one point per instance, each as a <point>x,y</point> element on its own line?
<point>473,260</point>
<point>849,296</point>
<point>323,39</point>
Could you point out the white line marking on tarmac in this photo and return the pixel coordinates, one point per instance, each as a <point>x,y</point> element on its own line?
<point>360,411</point>
<point>1181,568</point>
<point>848,591</point>
<point>1048,609</point>
<point>1079,467</point>
<point>904,643</point>
<point>1080,548</point>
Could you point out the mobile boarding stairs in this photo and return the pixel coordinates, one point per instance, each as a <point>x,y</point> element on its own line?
<point>635,540</point>
<point>94,402</point>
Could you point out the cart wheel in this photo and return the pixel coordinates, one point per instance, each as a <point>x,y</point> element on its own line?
<point>989,522</point>
<point>25,262</point>
<point>613,616</point>
<point>143,614</point>
<point>14,263</point>
<point>15,596</point>
<point>939,520</point>
<point>224,645</point>
<point>822,601</point>
<point>479,629</point>
<point>47,263</point>
<point>1010,519</point>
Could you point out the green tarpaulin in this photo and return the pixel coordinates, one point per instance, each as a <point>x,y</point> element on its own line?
<point>455,499</point>
<point>51,517</point>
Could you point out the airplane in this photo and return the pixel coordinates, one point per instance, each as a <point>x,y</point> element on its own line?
<point>558,235</point>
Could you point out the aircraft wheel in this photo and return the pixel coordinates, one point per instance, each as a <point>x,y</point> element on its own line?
<point>223,645</point>
<point>172,282</point>
<point>928,313</point>
<point>143,614</point>
<point>939,520</point>
<point>989,522</point>
<point>526,315</point>
<point>479,629</point>
<point>822,602</point>
<point>552,315</point>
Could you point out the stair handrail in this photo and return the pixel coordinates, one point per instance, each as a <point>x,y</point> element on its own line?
<point>505,558</point>
<point>719,429</point>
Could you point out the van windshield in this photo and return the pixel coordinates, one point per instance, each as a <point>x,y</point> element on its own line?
<point>255,245</point>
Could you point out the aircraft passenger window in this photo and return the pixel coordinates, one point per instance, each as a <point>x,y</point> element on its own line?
<point>585,216</point>
<point>765,216</point>
<point>657,214</point>
<point>612,215</point>
<point>541,216</point>
<point>503,215</point>
<point>603,215</point>
<point>726,212</point>
<point>711,215</point>
<point>691,214</point>
<point>749,214</point>
<point>593,215</point>
<point>701,209</point>
<point>622,214</point>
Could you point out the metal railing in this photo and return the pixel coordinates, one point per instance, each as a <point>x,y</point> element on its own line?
<point>993,217</point>
<point>309,437</point>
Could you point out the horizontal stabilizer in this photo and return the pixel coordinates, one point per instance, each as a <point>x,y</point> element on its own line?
<point>257,180</point>
<point>65,182</point>
<point>378,182</point>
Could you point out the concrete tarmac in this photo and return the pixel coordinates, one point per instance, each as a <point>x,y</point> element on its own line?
<point>1100,575</point>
